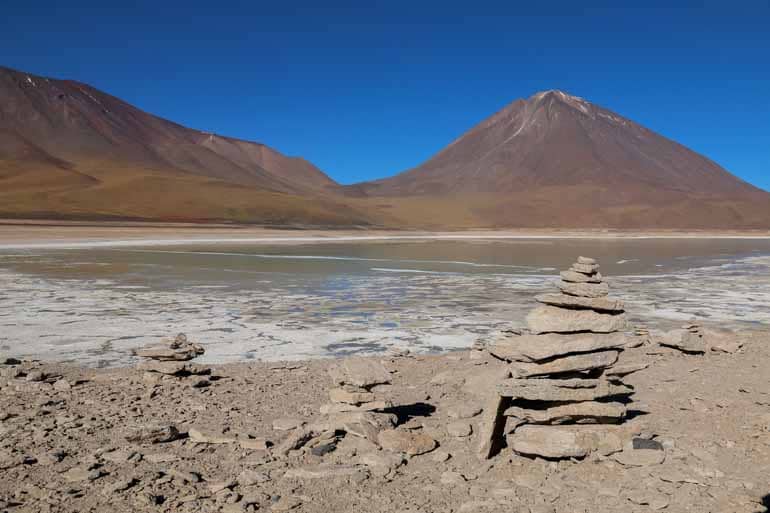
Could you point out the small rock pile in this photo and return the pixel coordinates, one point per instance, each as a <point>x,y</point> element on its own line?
<point>561,392</point>
<point>690,339</point>
<point>355,380</point>
<point>172,358</point>
<point>354,410</point>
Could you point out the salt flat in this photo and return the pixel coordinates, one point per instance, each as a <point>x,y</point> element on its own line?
<point>307,300</point>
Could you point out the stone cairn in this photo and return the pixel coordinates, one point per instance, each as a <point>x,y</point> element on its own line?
<point>561,392</point>
<point>171,358</point>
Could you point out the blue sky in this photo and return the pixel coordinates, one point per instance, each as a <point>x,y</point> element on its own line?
<point>369,89</point>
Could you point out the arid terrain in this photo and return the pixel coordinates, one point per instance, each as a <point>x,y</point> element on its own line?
<point>79,440</point>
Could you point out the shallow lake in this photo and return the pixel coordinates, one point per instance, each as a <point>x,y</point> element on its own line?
<point>291,301</point>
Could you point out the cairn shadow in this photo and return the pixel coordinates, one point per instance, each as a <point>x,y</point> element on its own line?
<point>406,412</point>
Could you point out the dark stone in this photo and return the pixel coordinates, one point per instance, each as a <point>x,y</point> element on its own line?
<point>643,443</point>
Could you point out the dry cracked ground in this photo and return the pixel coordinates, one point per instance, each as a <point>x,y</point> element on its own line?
<point>80,440</point>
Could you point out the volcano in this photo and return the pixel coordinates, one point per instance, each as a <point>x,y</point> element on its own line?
<point>557,160</point>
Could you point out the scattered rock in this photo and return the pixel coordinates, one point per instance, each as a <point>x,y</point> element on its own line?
<point>153,434</point>
<point>413,444</point>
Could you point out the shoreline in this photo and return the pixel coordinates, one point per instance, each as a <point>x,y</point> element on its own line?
<point>79,236</point>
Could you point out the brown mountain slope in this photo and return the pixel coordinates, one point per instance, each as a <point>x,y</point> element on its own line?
<point>69,150</point>
<point>557,160</point>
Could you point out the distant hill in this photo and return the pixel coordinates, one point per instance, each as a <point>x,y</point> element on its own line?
<point>557,160</point>
<point>69,151</point>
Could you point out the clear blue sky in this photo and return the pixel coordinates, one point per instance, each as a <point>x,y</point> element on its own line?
<point>365,89</point>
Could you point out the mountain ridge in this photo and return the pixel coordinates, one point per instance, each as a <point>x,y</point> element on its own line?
<point>553,160</point>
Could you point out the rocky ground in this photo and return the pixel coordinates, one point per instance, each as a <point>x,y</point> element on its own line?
<point>131,439</point>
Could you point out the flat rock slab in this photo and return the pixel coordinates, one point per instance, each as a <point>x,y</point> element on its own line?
<point>569,412</point>
<point>464,410</point>
<point>491,426</point>
<point>323,471</point>
<point>397,440</point>
<point>350,395</point>
<point>576,277</point>
<point>585,268</point>
<point>570,363</point>
<point>559,442</point>
<point>535,348</point>
<point>626,369</point>
<point>585,289</point>
<point>631,457</point>
<point>550,390</point>
<point>200,436</point>
<point>684,341</point>
<point>602,304</point>
<point>550,319</point>
<point>331,408</point>
<point>173,368</point>
<point>154,434</point>
<point>551,442</point>
<point>360,372</point>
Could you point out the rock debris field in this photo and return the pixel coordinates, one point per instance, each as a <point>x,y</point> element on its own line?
<point>576,411</point>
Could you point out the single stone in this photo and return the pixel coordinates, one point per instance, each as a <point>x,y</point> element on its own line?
<point>571,363</point>
<point>158,433</point>
<point>604,304</point>
<point>465,410</point>
<point>569,412</point>
<point>119,456</point>
<point>323,471</point>
<point>550,319</point>
<point>565,441</point>
<point>350,395</point>
<point>684,341</point>
<point>491,426</point>
<point>452,478</point>
<point>172,368</point>
<point>459,429</point>
<point>534,348</point>
<point>287,423</point>
<point>251,477</point>
<point>382,463</point>
<point>723,345</point>
<point>76,474</point>
<point>203,437</point>
<point>323,448</point>
<point>35,376</point>
<point>585,268</point>
<point>220,486</point>
<point>585,289</point>
<point>286,504</point>
<point>9,361</point>
<point>120,486</point>
<point>253,444</point>
<point>626,369</point>
<point>396,440</point>
<point>559,390</point>
<point>331,408</point>
<point>631,457</point>
<point>586,260</point>
<point>441,456</point>
<point>360,372</point>
<point>576,277</point>
<point>62,385</point>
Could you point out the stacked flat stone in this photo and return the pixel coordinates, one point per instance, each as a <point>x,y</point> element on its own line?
<point>354,380</point>
<point>171,357</point>
<point>560,373</point>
